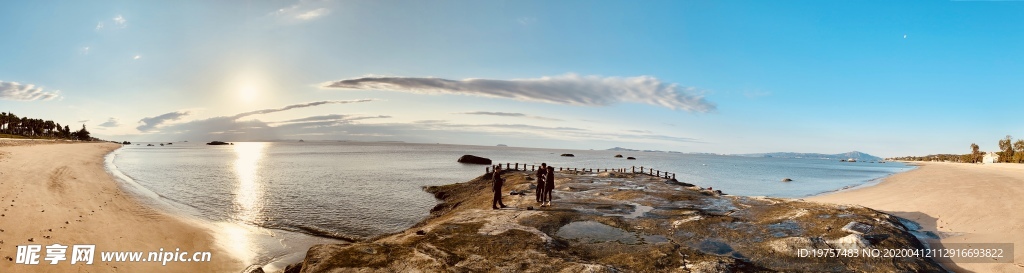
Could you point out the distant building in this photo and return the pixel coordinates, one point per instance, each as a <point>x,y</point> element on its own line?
<point>990,157</point>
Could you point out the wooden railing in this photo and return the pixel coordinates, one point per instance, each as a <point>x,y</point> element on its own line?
<point>632,169</point>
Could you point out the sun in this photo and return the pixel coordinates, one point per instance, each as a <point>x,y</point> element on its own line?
<point>248,93</point>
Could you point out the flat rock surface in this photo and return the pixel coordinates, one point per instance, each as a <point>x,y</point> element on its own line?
<point>615,222</point>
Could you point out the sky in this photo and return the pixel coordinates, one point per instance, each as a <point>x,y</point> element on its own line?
<point>889,78</point>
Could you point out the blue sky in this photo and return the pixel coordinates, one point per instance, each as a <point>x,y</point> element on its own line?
<point>888,78</point>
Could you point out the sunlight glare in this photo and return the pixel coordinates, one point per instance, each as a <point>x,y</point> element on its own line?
<point>247,93</point>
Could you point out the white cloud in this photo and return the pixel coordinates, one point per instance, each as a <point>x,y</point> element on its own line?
<point>230,122</point>
<point>25,92</point>
<point>85,50</point>
<point>150,123</point>
<point>112,122</point>
<point>136,57</point>
<point>569,89</point>
<point>304,10</point>
<point>506,114</point>
<point>313,14</point>
<point>120,21</point>
<point>99,26</point>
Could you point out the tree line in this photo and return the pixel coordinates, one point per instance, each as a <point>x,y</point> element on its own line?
<point>11,124</point>
<point>1009,152</point>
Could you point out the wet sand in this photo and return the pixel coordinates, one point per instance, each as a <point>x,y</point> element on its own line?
<point>61,194</point>
<point>962,203</point>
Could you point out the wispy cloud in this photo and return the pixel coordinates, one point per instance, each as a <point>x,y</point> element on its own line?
<point>119,21</point>
<point>313,14</point>
<point>506,114</point>
<point>565,89</point>
<point>149,123</point>
<point>293,106</point>
<point>526,21</point>
<point>25,92</point>
<point>99,26</point>
<point>304,10</point>
<point>239,128</point>
<point>112,122</point>
<point>229,122</point>
<point>333,118</point>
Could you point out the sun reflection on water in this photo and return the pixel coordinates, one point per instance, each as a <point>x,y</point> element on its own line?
<point>248,202</point>
<point>241,238</point>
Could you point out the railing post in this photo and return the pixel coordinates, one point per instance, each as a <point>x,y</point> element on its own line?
<point>673,176</point>
<point>659,173</point>
<point>517,166</point>
<point>650,171</point>
<point>487,170</point>
<point>532,167</point>
<point>634,169</point>
<point>641,169</point>
<point>507,165</point>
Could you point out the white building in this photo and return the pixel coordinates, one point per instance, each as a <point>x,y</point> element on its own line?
<point>990,157</point>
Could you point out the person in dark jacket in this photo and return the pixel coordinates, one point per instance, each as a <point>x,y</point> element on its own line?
<point>541,172</point>
<point>549,185</point>
<point>496,188</point>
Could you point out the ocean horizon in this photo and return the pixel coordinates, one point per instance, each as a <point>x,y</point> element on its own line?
<point>358,190</point>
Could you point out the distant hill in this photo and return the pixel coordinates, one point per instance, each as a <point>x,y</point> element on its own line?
<point>859,156</point>
<point>622,149</point>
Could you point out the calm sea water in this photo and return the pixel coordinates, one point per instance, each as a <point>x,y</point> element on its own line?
<point>359,190</point>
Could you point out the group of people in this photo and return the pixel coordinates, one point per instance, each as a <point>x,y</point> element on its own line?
<point>545,183</point>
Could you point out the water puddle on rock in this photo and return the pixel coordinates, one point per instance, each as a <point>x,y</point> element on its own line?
<point>594,232</point>
<point>638,211</point>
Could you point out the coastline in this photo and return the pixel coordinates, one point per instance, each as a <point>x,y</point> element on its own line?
<point>958,203</point>
<point>606,222</point>
<point>62,194</point>
<point>866,184</point>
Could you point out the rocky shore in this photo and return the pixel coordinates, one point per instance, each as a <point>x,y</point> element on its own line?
<point>614,222</point>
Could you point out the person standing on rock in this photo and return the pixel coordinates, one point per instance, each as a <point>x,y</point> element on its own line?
<point>496,188</point>
<point>549,185</point>
<point>540,181</point>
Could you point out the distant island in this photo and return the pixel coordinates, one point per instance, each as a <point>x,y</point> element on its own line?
<point>620,149</point>
<point>859,156</point>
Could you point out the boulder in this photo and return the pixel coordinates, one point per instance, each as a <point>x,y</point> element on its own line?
<point>293,268</point>
<point>472,159</point>
<point>568,155</point>
<point>786,179</point>
<point>618,156</point>
<point>631,158</point>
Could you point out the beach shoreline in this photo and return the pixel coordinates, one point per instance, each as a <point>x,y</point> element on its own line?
<point>61,193</point>
<point>958,203</point>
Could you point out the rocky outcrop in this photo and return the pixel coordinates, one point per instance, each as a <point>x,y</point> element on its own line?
<point>568,155</point>
<point>787,179</point>
<point>472,159</point>
<point>620,222</point>
<point>618,156</point>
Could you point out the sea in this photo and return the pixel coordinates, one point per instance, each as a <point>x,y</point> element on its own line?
<point>357,190</point>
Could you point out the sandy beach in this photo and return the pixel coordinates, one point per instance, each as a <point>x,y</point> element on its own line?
<point>60,194</point>
<point>962,203</point>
